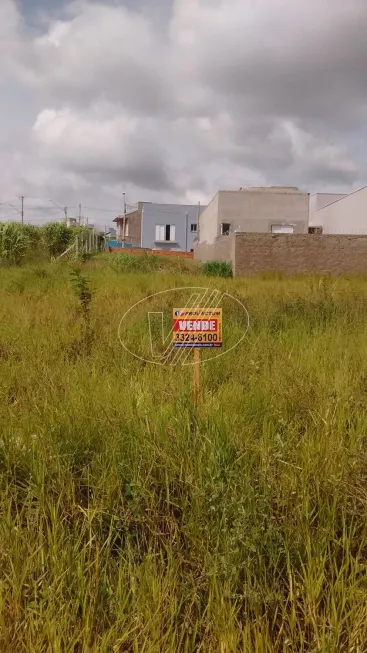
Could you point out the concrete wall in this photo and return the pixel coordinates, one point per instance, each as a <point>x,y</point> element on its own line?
<point>346,216</point>
<point>208,222</point>
<point>319,201</point>
<point>172,214</point>
<point>255,211</point>
<point>221,250</point>
<point>300,254</point>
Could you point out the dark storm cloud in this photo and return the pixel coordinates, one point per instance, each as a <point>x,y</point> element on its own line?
<point>174,97</point>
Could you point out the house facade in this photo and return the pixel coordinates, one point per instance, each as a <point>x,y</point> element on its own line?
<point>275,209</point>
<point>159,226</point>
<point>169,226</point>
<point>344,215</point>
<point>128,227</point>
<point>319,201</point>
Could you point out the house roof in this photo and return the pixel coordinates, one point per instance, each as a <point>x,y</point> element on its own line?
<point>120,218</point>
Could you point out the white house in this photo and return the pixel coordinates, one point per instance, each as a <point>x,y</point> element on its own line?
<point>344,215</point>
<point>319,201</point>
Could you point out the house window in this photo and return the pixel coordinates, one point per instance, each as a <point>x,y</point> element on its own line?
<point>315,230</point>
<point>194,228</point>
<point>225,228</point>
<point>282,229</point>
<point>159,232</point>
<point>165,233</point>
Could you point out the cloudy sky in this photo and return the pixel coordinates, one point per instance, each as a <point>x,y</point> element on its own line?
<point>170,100</point>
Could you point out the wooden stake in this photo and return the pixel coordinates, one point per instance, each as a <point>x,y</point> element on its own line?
<point>196,375</point>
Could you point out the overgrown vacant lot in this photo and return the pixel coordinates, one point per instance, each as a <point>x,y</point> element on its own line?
<point>130,521</point>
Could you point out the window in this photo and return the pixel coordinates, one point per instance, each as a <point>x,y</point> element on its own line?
<point>165,233</point>
<point>315,230</point>
<point>194,228</point>
<point>282,229</point>
<point>225,228</point>
<point>159,232</point>
<point>170,232</point>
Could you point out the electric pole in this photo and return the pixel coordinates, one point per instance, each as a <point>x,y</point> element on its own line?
<point>124,221</point>
<point>198,226</point>
<point>80,214</point>
<point>22,198</point>
<point>187,228</point>
<point>65,209</point>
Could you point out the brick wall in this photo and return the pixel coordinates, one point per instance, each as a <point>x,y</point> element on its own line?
<point>134,228</point>
<point>299,254</point>
<point>158,252</point>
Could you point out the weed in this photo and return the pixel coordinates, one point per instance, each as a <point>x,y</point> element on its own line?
<point>217,269</point>
<point>83,292</point>
<point>131,522</point>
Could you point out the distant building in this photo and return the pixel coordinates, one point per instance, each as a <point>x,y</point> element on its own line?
<point>274,209</point>
<point>159,226</point>
<point>319,201</point>
<point>346,214</point>
<point>128,229</point>
<point>71,222</point>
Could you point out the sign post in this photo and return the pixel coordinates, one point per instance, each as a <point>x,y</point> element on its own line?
<point>197,328</point>
<point>196,375</point>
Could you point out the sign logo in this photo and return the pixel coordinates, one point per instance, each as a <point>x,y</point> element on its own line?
<point>197,327</point>
<point>156,331</point>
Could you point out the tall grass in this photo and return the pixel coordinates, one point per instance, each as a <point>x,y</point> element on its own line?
<point>21,243</point>
<point>130,521</point>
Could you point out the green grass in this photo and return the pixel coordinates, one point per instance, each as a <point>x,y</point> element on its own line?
<point>130,521</point>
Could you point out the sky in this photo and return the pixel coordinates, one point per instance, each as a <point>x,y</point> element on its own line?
<point>172,100</point>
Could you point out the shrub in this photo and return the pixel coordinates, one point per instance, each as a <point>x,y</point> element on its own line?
<point>14,242</point>
<point>133,263</point>
<point>217,269</point>
<point>58,237</point>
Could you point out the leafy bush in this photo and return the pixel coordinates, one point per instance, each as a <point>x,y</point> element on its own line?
<point>217,269</point>
<point>133,263</point>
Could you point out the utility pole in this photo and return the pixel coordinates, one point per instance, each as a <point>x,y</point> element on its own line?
<point>187,227</point>
<point>65,209</point>
<point>124,221</point>
<point>22,198</point>
<point>80,214</point>
<point>198,227</point>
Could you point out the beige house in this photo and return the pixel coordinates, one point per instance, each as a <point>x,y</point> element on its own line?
<point>346,214</point>
<point>319,201</point>
<point>274,209</point>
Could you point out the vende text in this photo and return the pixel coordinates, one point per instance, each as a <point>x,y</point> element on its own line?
<point>196,325</point>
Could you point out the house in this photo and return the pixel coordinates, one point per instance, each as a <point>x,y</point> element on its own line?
<point>71,222</point>
<point>274,209</point>
<point>346,214</point>
<point>159,226</point>
<point>319,201</point>
<point>128,228</point>
<point>169,226</point>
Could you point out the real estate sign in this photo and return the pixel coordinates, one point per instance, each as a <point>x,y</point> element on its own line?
<point>197,327</point>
